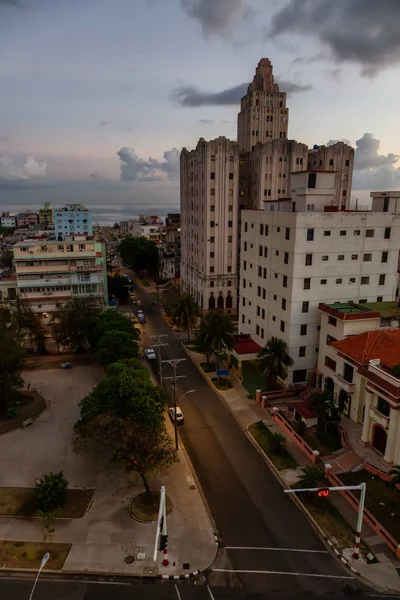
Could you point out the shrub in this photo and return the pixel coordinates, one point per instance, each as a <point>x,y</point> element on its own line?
<point>300,428</point>
<point>51,492</point>
<point>12,413</point>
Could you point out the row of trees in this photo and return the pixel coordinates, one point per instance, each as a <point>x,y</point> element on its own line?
<point>140,254</point>
<point>125,411</point>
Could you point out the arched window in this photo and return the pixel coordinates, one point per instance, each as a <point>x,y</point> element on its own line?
<point>220,302</point>
<point>229,300</point>
<point>211,303</point>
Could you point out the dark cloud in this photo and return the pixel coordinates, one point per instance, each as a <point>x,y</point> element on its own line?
<point>102,123</point>
<point>134,168</point>
<point>10,3</point>
<point>217,17</point>
<point>333,142</point>
<point>205,121</point>
<point>4,138</point>
<point>96,177</point>
<point>190,95</point>
<point>374,171</point>
<point>359,31</point>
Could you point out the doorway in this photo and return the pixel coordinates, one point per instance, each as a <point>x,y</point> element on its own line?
<point>379,438</point>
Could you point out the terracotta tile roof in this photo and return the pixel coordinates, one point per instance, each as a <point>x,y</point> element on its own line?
<point>243,344</point>
<point>364,347</point>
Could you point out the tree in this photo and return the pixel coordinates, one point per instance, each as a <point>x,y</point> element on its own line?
<point>185,313</point>
<point>216,334</point>
<point>51,493</point>
<point>6,258</point>
<point>273,360</point>
<point>323,404</point>
<point>278,443</point>
<point>11,359</point>
<point>139,254</point>
<point>395,473</point>
<point>32,323</point>
<point>116,345</point>
<point>113,320</point>
<point>117,287</point>
<point>203,342</point>
<point>312,476</point>
<point>74,321</point>
<point>396,371</point>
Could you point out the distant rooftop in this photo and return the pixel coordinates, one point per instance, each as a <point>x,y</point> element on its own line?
<point>369,310</point>
<point>386,309</point>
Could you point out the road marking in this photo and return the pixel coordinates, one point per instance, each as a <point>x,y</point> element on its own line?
<point>250,572</point>
<point>208,589</point>
<point>177,592</point>
<point>278,549</point>
<point>45,580</point>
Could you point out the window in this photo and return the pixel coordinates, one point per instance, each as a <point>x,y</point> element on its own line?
<point>382,279</point>
<point>262,333</point>
<point>354,256</point>
<point>243,319</point>
<point>282,326</point>
<point>352,280</point>
<point>274,296</point>
<point>308,260</point>
<point>339,280</point>
<point>212,223</point>
<point>332,321</point>
<point>384,258</point>
<point>383,407</point>
<point>229,223</point>
<point>273,318</point>
<point>303,329</point>
<point>330,363</point>
<point>387,233</point>
<point>343,232</point>
<point>327,233</point>
<point>260,250</point>
<point>264,294</point>
<point>229,269</point>
<point>286,258</point>
<point>277,252</point>
<point>258,311</point>
<point>287,233</point>
<point>325,257</point>
<point>263,313</point>
<point>266,230</point>
<point>212,191</point>
<point>245,227</point>
<point>283,304</point>
<point>211,254</point>
<point>230,238</point>
<point>259,291</point>
<point>212,239</point>
<point>312,180</point>
<point>284,281</point>
<point>363,301</point>
<point>265,251</point>
<point>364,280</point>
<point>212,208</point>
<point>257,330</point>
<point>212,270</point>
<point>307,283</point>
<point>348,373</point>
<point>310,235</point>
<point>370,233</point>
<point>330,339</point>
<point>244,283</point>
<point>385,205</point>
<point>357,232</point>
<point>231,176</point>
<point>230,208</point>
<point>261,229</point>
<point>211,284</point>
<point>323,281</point>
<point>212,175</point>
<point>302,351</point>
<point>278,229</point>
<point>367,257</point>
<point>260,271</point>
<point>304,307</point>
<point>264,273</point>
<point>379,299</point>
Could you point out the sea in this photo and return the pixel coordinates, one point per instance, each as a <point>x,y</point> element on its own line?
<point>109,201</point>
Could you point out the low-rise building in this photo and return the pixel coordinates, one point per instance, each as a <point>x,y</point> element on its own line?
<point>26,219</point>
<point>8,220</point>
<point>170,248</point>
<point>49,273</point>
<point>72,219</point>
<point>45,215</point>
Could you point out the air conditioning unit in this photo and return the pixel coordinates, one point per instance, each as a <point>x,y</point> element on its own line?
<point>375,362</point>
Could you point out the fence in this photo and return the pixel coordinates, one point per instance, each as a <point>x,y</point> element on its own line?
<point>313,455</point>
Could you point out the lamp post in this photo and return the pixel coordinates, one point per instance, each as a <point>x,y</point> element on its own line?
<point>175,405</point>
<point>44,561</point>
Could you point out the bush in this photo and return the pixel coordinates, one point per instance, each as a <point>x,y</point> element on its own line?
<point>51,492</point>
<point>12,413</point>
<point>300,428</point>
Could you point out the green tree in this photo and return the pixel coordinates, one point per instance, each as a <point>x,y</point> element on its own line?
<point>140,254</point>
<point>32,323</point>
<point>185,313</point>
<point>278,443</point>
<point>6,258</point>
<point>274,360</point>
<point>216,334</point>
<point>396,371</point>
<point>312,476</point>
<point>395,473</point>
<point>74,321</point>
<point>324,406</point>
<point>11,359</point>
<point>117,287</point>
<point>203,342</point>
<point>116,345</point>
<point>113,320</point>
<point>51,493</point>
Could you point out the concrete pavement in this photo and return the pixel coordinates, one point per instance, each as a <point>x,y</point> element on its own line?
<point>107,534</point>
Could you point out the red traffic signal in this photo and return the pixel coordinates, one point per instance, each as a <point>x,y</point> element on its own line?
<point>323,492</point>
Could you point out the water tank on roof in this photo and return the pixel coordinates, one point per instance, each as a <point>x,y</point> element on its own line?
<point>315,147</point>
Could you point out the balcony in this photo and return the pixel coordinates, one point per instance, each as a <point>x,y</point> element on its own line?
<point>80,268</point>
<point>41,269</point>
<point>345,385</point>
<point>378,417</point>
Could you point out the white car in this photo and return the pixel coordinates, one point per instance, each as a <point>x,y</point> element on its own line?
<point>179,415</point>
<point>150,354</point>
<point>139,312</point>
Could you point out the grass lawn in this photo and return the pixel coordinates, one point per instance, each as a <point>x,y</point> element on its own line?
<point>208,368</point>
<point>21,502</point>
<point>378,491</point>
<point>222,384</point>
<point>252,379</point>
<point>324,448</point>
<point>263,436</point>
<point>144,506</point>
<point>28,555</point>
<point>29,406</point>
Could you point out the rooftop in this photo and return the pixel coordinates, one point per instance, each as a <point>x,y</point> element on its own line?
<point>245,345</point>
<point>382,344</point>
<point>349,311</point>
<point>385,309</point>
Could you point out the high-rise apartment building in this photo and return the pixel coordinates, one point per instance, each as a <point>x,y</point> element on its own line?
<point>263,114</point>
<point>338,158</point>
<point>209,223</point>
<point>72,219</point>
<point>45,215</point>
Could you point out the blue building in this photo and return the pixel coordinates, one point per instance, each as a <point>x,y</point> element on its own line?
<point>72,219</point>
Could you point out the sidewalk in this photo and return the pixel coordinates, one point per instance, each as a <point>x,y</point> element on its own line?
<point>382,575</point>
<point>107,534</point>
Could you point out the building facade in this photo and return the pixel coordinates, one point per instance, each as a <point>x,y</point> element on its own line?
<point>45,215</point>
<point>170,247</point>
<point>209,223</point>
<point>338,158</point>
<point>53,272</point>
<point>8,220</point>
<point>26,219</point>
<point>72,219</point>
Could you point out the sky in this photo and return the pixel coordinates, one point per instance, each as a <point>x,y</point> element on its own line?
<point>98,97</point>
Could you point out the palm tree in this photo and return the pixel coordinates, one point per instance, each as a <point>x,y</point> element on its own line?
<point>273,360</point>
<point>312,476</point>
<point>216,333</point>
<point>395,473</point>
<point>203,342</point>
<point>324,406</point>
<point>186,313</point>
<point>278,443</point>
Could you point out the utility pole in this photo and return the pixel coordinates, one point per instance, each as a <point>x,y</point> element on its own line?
<point>130,286</point>
<point>159,345</point>
<point>174,362</point>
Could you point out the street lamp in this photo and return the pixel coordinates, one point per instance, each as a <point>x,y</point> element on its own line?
<point>174,386</point>
<point>183,395</point>
<point>44,561</point>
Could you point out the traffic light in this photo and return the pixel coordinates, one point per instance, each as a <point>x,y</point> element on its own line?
<point>305,494</point>
<point>323,492</point>
<point>163,542</point>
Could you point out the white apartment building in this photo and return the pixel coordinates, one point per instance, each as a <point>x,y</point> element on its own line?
<point>209,223</point>
<point>8,220</point>
<point>49,273</point>
<point>292,261</point>
<point>338,158</point>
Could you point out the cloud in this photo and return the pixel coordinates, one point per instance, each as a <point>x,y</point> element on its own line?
<point>134,168</point>
<point>374,171</point>
<point>205,121</point>
<point>217,17</point>
<point>102,123</point>
<point>333,142</point>
<point>190,95</point>
<point>10,3</point>
<point>365,32</point>
<point>4,138</point>
<point>12,169</point>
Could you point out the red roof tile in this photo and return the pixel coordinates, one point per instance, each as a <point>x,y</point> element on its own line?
<point>244,345</point>
<point>364,347</point>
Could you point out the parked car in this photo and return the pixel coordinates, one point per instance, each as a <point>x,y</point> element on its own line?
<point>142,319</point>
<point>139,312</point>
<point>150,354</point>
<point>179,415</point>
